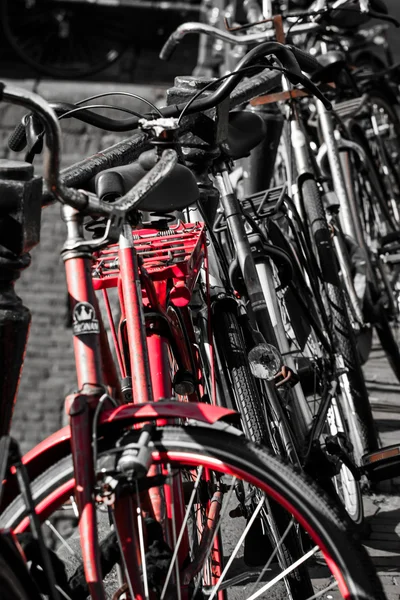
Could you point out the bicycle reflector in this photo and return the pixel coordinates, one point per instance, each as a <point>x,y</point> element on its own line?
<point>382,464</point>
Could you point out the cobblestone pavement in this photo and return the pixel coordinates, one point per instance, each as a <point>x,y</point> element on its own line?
<point>382,508</point>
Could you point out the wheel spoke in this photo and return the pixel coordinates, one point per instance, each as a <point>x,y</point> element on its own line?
<point>284,573</point>
<point>238,545</point>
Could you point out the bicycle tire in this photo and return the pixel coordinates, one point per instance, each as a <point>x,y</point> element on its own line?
<point>325,523</point>
<point>233,361</point>
<point>360,410</point>
<point>11,586</point>
<point>242,395</point>
<point>301,346</point>
<point>375,308</point>
<point>391,148</point>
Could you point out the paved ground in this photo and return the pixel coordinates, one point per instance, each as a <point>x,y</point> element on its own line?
<point>383,509</point>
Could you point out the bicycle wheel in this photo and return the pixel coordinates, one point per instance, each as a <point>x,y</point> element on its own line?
<point>359,413</point>
<point>381,306</point>
<point>307,350</point>
<point>383,141</point>
<point>238,380</point>
<point>243,479</point>
<point>64,39</point>
<point>11,587</point>
<point>15,581</point>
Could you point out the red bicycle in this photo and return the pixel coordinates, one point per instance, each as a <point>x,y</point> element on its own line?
<point>168,497</point>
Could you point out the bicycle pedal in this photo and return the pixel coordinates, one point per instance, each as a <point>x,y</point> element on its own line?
<point>382,464</point>
<point>392,259</point>
<point>339,446</point>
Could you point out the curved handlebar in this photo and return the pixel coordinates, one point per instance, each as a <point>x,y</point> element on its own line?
<point>35,103</point>
<point>70,196</point>
<point>187,28</point>
<point>82,201</point>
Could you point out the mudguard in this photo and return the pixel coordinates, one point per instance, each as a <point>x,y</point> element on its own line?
<point>57,446</point>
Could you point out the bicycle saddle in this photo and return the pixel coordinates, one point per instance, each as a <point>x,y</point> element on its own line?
<point>177,191</point>
<point>331,64</point>
<point>344,18</point>
<point>246,130</point>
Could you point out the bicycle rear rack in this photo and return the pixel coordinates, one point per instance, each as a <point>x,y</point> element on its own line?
<point>264,204</point>
<point>176,253</point>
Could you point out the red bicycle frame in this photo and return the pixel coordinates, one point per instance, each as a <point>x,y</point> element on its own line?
<point>154,273</point>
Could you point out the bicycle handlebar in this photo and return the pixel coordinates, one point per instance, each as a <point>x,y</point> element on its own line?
<point>67,195</point>
<point>193,27</point>
<point>299,28</point>
<point>82,201</point>
<point>36,104</point>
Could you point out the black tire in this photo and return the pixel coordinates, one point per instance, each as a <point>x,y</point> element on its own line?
<point>346,344</point>
<point>325,522</point>
<point>233,362</point>
<point>245,398</point>
<point>15,581</point>
<point>376,221</point>
<point>388,152</point>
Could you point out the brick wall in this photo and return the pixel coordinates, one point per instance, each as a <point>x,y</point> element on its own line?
<point>48,373</point>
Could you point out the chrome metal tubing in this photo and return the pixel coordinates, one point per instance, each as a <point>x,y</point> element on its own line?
<point>202,28</point>
<point>335,163</point>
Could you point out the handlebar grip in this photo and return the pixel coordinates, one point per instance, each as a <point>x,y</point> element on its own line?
<point>17,139</point>
<point>308,63</point>
<point>169,47</point>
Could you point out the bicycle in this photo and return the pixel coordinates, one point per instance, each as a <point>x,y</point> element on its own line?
<point>156,444</point>
<point>312,408</point>
<point>359,141</point>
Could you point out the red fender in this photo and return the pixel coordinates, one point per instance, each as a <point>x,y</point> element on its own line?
<point>57,446</point>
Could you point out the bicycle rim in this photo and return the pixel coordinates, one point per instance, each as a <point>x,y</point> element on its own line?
<point>236,467</point>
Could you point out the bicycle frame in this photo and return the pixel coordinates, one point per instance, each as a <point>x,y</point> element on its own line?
<point>148,327</point>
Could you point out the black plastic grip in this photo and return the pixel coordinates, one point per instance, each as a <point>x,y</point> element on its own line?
<point>308,63</point>
<point>17,139</point>
<point>122,153</point>
<point>263,83</point>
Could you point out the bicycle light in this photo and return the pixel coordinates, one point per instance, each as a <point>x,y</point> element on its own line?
<point>265,361</point>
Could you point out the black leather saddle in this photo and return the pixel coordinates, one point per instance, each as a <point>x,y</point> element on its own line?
<point>179,189</point>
